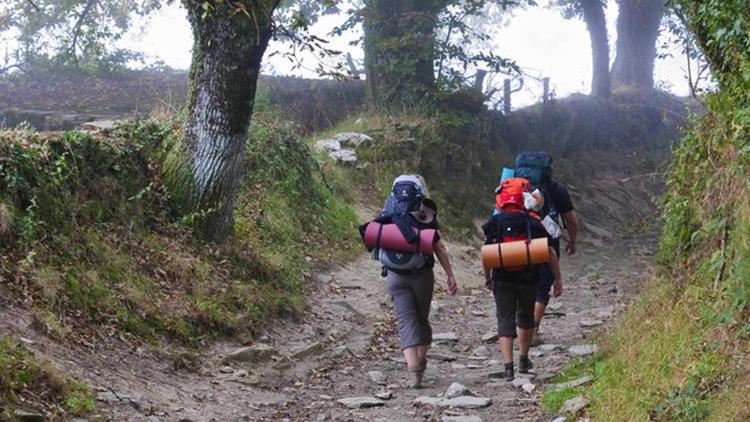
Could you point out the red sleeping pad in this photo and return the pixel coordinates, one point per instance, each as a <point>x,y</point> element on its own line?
<point>391,238</point>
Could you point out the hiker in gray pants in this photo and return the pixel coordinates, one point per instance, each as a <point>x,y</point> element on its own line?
<point>411,293</point>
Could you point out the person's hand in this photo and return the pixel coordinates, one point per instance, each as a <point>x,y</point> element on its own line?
<point>557,288</point>
<point>570,248</point>
<point>452,286</point>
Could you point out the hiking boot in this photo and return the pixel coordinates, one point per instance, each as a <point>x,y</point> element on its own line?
<point>508,375</point>
<point>537,339</point>
<point>524,364</point>
<point>416,374</point>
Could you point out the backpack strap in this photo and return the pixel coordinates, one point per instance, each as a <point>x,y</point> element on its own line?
<point>380,234</point>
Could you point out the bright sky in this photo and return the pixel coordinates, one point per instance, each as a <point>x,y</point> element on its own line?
<point>539,39</point>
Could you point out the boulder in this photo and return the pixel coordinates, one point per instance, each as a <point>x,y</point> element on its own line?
<point>327,145</point>
<point>352,139</point>
<point>344,155</point>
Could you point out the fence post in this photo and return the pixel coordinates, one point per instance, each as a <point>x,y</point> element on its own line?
<point>506,97</point>
<point>545,96</point>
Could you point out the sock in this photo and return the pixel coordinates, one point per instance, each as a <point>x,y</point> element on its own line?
<point>524,357</point>
<point>509,366</point>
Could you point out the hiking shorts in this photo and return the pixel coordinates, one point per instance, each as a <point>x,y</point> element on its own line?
<point>546,279</point>
<point>515,306</point>
<point>411,295</point>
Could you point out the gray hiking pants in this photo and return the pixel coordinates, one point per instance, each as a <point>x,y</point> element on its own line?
<point>411,296</point>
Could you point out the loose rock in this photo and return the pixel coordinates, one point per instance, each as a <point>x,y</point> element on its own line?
<point>574,405</point>
<point>352,139</point>
<point>464,402</point>
<point>384,394</point>
<point>588,323</point>
<point>456,390</point>
<point>549,347</point>
<point>581,350</point>
<point>481,352</point>
<point>307,350</point>
<point>251,354</point>
<point>490,337</point>
<point>462,419</point>
<point>572,384</point>
<point>377,377</point>
<point>445,338</point>
<point>529,388</point>
<point>360,402</point>
<point>327,145</point>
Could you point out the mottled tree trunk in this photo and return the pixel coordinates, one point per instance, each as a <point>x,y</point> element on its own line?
<point>205,167</point>
<point>637,30</point>
<point>400,50</point>
<point>596,23</point>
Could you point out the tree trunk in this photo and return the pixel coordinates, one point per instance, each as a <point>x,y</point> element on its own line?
<point>596,23</point>
<point>637,30</point>
<point>400,50</point>
<point>204,168</point>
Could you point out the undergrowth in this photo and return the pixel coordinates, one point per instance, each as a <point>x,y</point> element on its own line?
<point>91,241</point>
<point>24,379</point>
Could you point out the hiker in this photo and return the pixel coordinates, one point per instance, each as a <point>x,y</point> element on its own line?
<point>515,288</point>
<point>537,168</point>
<point>410,276</point>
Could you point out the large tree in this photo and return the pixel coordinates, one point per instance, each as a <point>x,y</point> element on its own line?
<point>230,38</point>
<point>592,13</point>
<point>638,24</point>
<point>400,50</point>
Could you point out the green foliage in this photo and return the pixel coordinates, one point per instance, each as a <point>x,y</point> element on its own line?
<point>25,380</point>
<point>676,353</point>
<point>73,36</point>
<point>72,179</point>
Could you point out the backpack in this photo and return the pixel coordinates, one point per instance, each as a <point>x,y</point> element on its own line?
<point>406,196</point>
<point>510,199</point>
<point>536,167</point>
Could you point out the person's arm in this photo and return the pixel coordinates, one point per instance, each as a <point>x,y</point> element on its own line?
<point>554,265</point>
<point>442,255</point>
<point>571,223</point>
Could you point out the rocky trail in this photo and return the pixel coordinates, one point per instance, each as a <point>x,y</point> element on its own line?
<point>340,360</point>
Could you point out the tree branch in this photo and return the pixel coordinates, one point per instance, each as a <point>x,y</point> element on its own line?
<point>77,28</point>
<point>33,5</point>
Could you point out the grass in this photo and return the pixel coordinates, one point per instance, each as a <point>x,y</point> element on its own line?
<point>679,353</point>
<point>24,379</point>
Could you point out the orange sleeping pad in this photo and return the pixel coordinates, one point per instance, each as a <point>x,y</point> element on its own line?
<point>515,254</point>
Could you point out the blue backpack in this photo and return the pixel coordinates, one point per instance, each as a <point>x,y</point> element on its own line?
<point>536,167</point>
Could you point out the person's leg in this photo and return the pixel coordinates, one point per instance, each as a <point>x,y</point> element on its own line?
<point>542,299</point>
<point>505,304</point>
<point>405,308</point>
<point>525,324</point>
<point>423,287</point>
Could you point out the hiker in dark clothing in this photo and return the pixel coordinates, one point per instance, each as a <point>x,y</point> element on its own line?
<point>564,206</point>
<point>515,289</point>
